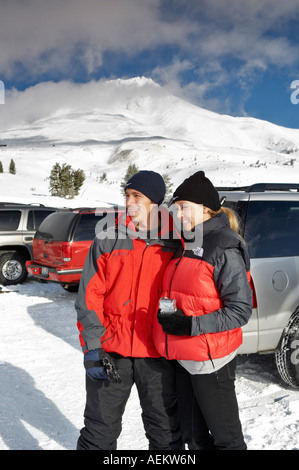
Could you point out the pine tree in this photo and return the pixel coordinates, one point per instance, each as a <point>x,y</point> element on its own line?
<point>12,167</point>
<point>131,171</point>
<point>1,167</point>
<point>64,181</point>
<point>169,185</point>
<point>78,180</point>
<point>54,184</point>
<point>103,177</point>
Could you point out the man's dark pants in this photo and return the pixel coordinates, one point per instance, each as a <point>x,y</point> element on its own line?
<point>106,401</point>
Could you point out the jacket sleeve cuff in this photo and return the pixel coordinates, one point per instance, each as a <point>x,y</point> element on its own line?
<point>203,324</point>
<point>94,344</point>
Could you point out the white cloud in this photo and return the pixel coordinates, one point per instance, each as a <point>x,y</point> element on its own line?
<point>45,35</point>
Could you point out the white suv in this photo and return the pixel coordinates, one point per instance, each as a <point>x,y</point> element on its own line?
<point>18,224</point>
<point>270,219</point>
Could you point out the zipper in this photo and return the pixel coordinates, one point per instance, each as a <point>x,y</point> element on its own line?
<point>176,266</point>
<point>170,285</point>
<point>210,357</point>
<point>166,345</point>
<point>147,243</point>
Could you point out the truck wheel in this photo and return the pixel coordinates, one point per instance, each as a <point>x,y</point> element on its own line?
<point>71,287</point>
<point>12,268</point>
<point>287,353</point>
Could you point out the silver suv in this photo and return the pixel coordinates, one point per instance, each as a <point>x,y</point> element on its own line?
<point>270,221</point>
<point>18,224</point>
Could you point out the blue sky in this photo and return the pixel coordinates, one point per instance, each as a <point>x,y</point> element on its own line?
<point>236,57</point>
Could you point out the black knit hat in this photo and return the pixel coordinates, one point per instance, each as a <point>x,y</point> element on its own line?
<point>199,189</point>
<point>149,183</point>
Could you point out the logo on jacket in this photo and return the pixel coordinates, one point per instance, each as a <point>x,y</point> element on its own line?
<point>198,251</point>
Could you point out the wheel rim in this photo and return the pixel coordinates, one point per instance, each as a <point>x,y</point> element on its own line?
<point>12,270</point>
<point>295,354</point>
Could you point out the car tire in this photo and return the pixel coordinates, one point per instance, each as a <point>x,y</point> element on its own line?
<point>12,268</point>
<point>287,353</point>
<point>71,287</point>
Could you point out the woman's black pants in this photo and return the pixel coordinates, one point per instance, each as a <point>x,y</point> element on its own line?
<point>208,409</point>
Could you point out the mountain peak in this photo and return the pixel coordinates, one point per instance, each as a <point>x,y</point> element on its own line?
<point>135,81</point>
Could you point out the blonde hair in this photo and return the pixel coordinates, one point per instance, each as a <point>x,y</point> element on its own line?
<point>234,220</point>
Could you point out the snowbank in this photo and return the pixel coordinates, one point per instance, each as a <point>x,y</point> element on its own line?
<point>43,392</point>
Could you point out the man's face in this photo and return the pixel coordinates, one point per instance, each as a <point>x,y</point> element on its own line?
<point>139,208</point>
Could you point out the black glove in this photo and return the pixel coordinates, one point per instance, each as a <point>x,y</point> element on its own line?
<point>100,366</point>
<point>175,323</point>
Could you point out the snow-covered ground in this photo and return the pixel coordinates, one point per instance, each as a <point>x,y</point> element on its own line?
<point>102,127</point>
<point>43,392</point>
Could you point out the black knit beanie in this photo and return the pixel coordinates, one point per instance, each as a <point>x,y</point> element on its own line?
<point>149,183</point>
<point>199,189</point>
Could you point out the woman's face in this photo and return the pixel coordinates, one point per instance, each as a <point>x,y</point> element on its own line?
<point>191,214</point>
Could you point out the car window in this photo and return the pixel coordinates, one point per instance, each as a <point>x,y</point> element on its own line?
<point>57,226</point>
<point>272,229</point>
<point>9,220</point>
<point>240,208</point>
<point>35,218</point>
<point>86,227</point>
<point>30,221</point>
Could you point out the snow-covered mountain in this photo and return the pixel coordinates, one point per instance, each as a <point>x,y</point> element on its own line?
<point>103,126</point>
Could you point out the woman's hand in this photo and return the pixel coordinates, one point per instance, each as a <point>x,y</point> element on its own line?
<point>175,323</point>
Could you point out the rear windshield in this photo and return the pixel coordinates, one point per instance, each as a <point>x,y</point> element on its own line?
<point>57,226</point>
<point>9,220</point>
<point>67,226</point>
<point>87,225</point>
<point>272,229</point>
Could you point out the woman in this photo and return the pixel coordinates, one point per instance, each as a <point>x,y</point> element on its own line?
<point>209,279</point>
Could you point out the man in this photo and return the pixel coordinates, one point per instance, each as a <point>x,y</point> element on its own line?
<point>119,290</point>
